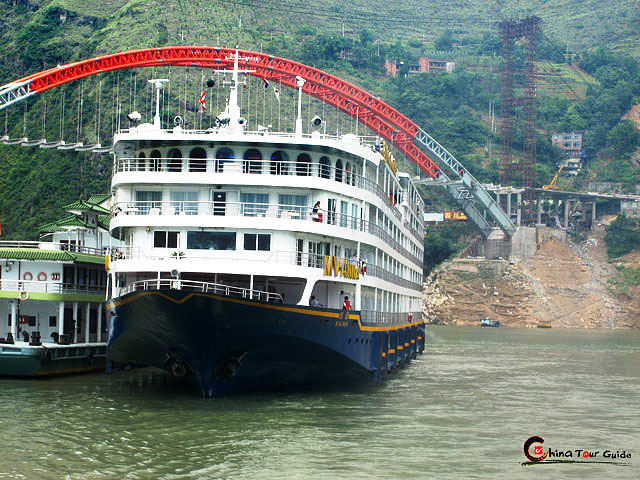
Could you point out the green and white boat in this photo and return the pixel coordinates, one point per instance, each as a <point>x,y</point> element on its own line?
<point>52,293</point>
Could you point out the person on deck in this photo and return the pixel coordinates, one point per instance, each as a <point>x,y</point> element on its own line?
<point>346,305</point>
<point>313,301</point>
<point>316,213</point>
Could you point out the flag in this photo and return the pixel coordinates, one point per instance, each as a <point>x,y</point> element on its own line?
<point>203,100</point>
<point>277,92</point>
<point>266,84</point>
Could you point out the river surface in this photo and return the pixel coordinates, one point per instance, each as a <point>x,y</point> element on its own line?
<point>461,410</point>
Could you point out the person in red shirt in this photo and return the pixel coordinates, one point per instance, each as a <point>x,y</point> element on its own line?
<point>347,303</point>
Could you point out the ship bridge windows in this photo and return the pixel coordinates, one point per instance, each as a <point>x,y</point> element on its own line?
<point>175,160</point>
<point>165,239</point>
<point>252,161</point>
<point>303,165</point>
<point>254,204</point>
<point>198,160</point>
<point>223,155</point>
<point>279,163</point>
<point>201,240</point>
<point>325,167</point>
<point>338,170</point>
<point>257,241</point>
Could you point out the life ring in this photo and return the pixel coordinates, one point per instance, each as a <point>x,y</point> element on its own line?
<point>27,276</point>
<point>24,295</point>
<point>42,277</point>
<point>45,356</point>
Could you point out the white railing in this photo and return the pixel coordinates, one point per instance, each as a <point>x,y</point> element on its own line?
<point>257,167</point>
<point>51,246</point>
<point>267,210</point>
<point>205,287</point>
<point>278,257</point>
<point>49,287</point>
<point>372,318</point>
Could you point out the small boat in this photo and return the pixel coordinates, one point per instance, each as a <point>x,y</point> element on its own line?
<point>487,322</point>
<point>544,325</point>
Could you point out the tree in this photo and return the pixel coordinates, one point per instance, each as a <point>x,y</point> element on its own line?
<point>444,41</point>
<point>622,236</point>
<point>624,137</point>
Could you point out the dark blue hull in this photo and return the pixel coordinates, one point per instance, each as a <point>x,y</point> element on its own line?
<point>223,344</point>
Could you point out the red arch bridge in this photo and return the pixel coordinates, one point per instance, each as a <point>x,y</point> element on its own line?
<point>390,124</point>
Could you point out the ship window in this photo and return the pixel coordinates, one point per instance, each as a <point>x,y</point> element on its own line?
<point>198,160</point>
<point>175,160</point>
<point>184,203</point>
<point>338,170</point>
<point>223,156</point>
<point>292,206</point>
<point>154,162</point>
<point>164,239</point>
<point>325,167</point>
<point>211,240</point>
<point>347,170</point>
<point>53,321</point>
<point>279,163</point>
<point>252,161</point>
<point>141,163</point>
<point>254,204</point>
<point>303,165</point>
<point>146,200</point>
<point>260,241</point>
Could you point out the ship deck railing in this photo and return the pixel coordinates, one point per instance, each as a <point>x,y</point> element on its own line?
<point>204,287</point>
<point>280,257</point>
<point>50,287</point>
<point>266,210</point>
<point>374,318</point>
<point>66,247</point>
<point>257,167</point>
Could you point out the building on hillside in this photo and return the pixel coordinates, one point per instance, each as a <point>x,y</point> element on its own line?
<point>630,208</point>
<point>424,65</point>
<point>571,144</point>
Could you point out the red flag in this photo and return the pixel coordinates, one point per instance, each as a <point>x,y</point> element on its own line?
<point>203,100</point>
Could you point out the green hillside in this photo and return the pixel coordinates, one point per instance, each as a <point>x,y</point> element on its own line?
<point>586,89</point>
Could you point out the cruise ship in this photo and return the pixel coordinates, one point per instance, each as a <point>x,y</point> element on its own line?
<point>260,259</point>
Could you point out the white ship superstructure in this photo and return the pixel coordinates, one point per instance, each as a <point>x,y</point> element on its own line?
<point>223,226</point>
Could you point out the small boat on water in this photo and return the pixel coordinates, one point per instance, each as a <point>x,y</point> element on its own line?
<point>487,322</point>
<point>544,325</point>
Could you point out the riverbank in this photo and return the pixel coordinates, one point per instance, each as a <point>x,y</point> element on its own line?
<point>565,284</point>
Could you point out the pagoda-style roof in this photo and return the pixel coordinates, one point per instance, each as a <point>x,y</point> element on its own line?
<point>98,198</point>
<point>85,206</point>
<point>62,225</point>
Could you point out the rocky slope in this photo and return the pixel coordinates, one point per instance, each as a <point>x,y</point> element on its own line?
<point>567,285</point>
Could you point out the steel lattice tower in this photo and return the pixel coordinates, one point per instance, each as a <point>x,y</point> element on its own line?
<point>524,170</point>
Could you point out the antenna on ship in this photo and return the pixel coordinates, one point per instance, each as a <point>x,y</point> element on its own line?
<point>300,82</point>
<point>158,84</point>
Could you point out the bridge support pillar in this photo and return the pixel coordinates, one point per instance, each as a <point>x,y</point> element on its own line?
<point>509,204</point>
<point>518,208</point>
<point>567,206</point>
<point>593,212</point>
<point>539,210</point>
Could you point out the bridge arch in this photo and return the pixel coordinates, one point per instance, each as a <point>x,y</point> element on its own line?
<point>359,104</point>
<point>404,134</point>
